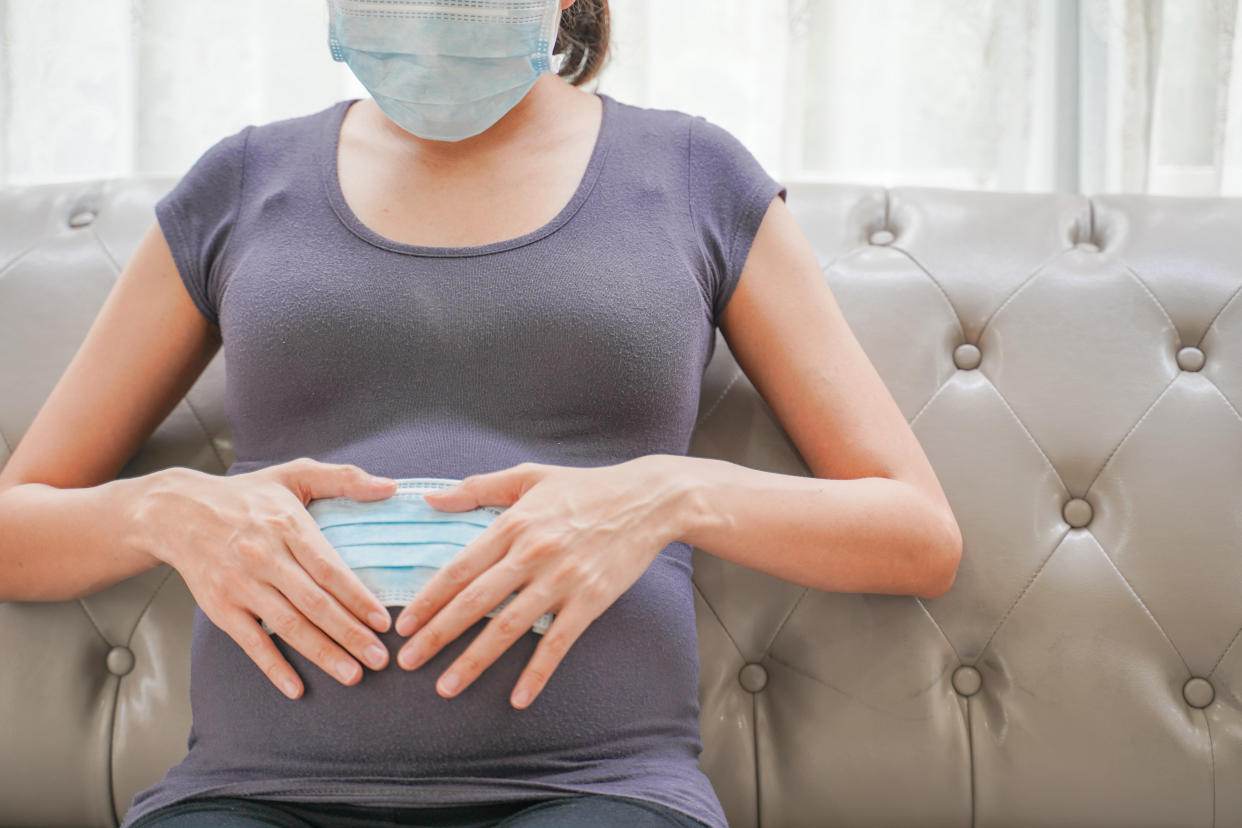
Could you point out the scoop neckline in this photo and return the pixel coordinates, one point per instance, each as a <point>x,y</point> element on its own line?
<point>330,146</point>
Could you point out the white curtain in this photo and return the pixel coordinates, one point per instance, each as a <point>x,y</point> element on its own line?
<point>1085,96</point>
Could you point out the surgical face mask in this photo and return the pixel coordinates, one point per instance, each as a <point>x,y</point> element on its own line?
<point>445,69</point>
<point>395,545</point>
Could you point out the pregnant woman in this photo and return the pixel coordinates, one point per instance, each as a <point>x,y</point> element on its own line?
<point>479,275</point>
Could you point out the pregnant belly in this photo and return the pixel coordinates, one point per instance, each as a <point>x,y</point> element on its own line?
<point>628,685</point>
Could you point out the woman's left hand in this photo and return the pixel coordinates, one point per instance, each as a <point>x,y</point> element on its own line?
<point>572,540</point>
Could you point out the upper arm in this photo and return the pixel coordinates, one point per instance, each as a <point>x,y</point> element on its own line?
<point>142,353</point>
<point>788,334</point>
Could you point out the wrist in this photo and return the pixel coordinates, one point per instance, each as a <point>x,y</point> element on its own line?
<point>136,498</point>
<point>686,486</point>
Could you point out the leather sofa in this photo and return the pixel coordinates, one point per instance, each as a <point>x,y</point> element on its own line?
<point>1073,367</point>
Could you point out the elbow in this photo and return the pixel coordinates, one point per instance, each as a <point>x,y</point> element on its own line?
<point>944,561</point>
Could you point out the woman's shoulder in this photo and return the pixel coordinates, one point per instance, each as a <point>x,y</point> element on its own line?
<point>298,127</point>
<point>653,122</point>
<point>694,135</point>
<point>651,116</point>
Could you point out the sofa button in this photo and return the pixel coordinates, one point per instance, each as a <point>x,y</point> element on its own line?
<point>120,660</point>
<point>753,677</point>
<point>81,218</point>
<point>966,356</point>
<point>1189,358</point>
<point>882,237</point>
<point>966,680</point>
<point>1198,692</point>
<point>1077,512</point>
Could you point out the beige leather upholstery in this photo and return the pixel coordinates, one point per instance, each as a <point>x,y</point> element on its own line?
<point>1073,368</point>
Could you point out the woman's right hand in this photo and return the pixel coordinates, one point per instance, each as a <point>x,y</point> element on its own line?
<point>248,549</point>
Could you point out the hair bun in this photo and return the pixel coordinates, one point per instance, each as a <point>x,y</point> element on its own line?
<point>583,39</point>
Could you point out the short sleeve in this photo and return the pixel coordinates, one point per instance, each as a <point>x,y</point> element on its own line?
<point>197,217</point>
<point>729,194</point>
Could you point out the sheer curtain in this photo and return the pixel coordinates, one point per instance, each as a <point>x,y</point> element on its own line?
<point>1083,96</point>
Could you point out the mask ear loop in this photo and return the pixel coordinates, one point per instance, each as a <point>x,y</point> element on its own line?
<point>545,59</point>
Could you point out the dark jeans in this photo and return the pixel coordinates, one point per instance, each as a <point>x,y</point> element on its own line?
<point>595,810</point>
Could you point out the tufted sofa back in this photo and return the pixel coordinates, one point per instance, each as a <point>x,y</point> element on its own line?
<point>1071,365</point>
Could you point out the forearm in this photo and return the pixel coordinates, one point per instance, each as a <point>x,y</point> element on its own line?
<point>870,534</point>
<point>58,544</point>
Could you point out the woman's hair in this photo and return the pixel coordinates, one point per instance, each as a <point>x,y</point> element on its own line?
<point>583,38</point>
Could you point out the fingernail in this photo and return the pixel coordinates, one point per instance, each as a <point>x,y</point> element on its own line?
<point>408,658</point>
<point>406,624</point>
<point>291,689</point>
<point>450,683</point>
<point>376,655</point>
<point>379,620</point>
<point>382,481</point>
<point>521,698</point>
<point>346,671</point>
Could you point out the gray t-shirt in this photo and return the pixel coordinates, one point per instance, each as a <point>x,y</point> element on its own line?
<point>582,343</point>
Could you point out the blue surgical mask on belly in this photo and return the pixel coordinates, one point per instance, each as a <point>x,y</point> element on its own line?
<point>395,545</point>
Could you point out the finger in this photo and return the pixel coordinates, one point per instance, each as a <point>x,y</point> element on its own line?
<point>323,562</point>
<point>565,630</point>
<point>510,624</point>
<point>326,613</point>
<point>260,648</point>
<point>468,606</point>
<point>498,488</point>
<point>309,479</point>
<point>470,562</point>
<point>289,623</point>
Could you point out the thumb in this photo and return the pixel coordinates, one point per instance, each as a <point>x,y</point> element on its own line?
<point>498,488</point>
<point>310,479</point>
